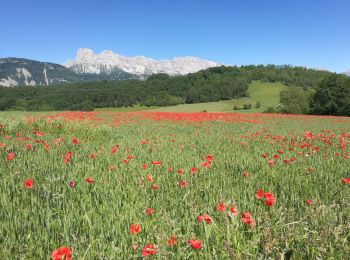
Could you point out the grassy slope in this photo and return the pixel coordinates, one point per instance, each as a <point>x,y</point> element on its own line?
<point>265,92</point>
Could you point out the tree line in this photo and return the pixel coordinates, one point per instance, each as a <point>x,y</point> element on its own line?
<point>208,85</point>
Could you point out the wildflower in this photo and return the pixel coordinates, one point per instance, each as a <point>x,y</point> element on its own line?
<point>150,178</point>
<point>247,218</point>
<point>67,157</point>
<point>28,146</point>
<point>156,163</point>
<point>72,184</point>
<point>345,180</point>
<point>200,218</point>
<point>220,207</point>
<point>209,158</point>
<point>149,249</point>
<point>28,183</point>
<point>207,218</point>
<point>89,180</point>
<point>60,253</point>
<point>259,194</point>
<point>233,211</point>
<point>10,156</point>
<point>75,141</point>
<point>309,201</point>
<point>172,241</point>
<point>135,229</point>
<point>179,171</point>
<point>154,186</point>
<point>194,170</point>
<point>183,184</point>
<point>269,199</point>
<point>245,174</point>
<point>194,243</point>
<point>149,211</point>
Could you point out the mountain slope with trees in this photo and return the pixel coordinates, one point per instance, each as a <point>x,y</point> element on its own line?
<point>210,85</point>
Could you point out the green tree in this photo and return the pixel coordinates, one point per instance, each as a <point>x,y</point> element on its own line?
<point>294,100</point>
<point>332,97</point>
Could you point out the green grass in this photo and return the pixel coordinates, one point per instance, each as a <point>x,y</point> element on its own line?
<point>93,219</point>
<point>268,94</point>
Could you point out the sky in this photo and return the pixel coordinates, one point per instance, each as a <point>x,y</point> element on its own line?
<point>313,33</point>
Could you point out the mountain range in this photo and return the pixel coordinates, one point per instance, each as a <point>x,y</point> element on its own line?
<point>23,72</point>
<point>107,62</point>
<point>89,66</point>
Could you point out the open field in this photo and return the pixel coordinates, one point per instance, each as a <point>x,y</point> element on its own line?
<point>268,94</point>
<point>110,185</point>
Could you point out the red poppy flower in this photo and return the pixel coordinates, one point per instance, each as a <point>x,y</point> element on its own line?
<point>130,157</point>
<point>28,146</point>
<point>205,164</point>
<point>345,180</point>
<point>144,166</point>
<point>264,155</point>
<point>194,243</point>
<point>10,156</point>
<point>194,170</point>
<point>172,241</point>
<point>179,171</point>
<point>207,218</point>
<point>233,211</point>
<point>170,169</point>
<point>150,178</point>
<point>247,218</point>
<point>220,207</point>
<point>134,246</point>
<point>89,180</point>
<point>75,141</point>
<point>259,194</point>
<point>28,183</point>
<point>61,253</point>
<point>135,229</point>
<point>72,184</point>
<point>156,163</point>
<point>245,174</point>
<point>209,158</point>
<point>93,156</point>
<point>2,145</point>
<point>269,199</point>
<point>38,133</point>
<point>67,157</point>
<point>183,184</point>
<point>149,211</point>
<point>154,186</point>
<point>309,201</point>
<point>200,218</point>
<point>149,249</point>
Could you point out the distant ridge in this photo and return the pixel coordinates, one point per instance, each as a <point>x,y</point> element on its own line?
<point>24,72</point>
<point>107,62</point>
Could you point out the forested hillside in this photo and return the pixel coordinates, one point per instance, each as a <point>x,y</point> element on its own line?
<point>219,83</point>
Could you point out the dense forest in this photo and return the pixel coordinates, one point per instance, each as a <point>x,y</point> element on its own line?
<point>213,84</point>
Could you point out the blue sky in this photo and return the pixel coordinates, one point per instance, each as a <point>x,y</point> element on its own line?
<point>297,32</point>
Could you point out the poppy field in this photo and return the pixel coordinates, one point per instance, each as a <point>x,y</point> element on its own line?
<point>107,185</point>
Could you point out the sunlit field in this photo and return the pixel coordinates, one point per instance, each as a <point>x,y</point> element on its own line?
<point>107,185</point>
